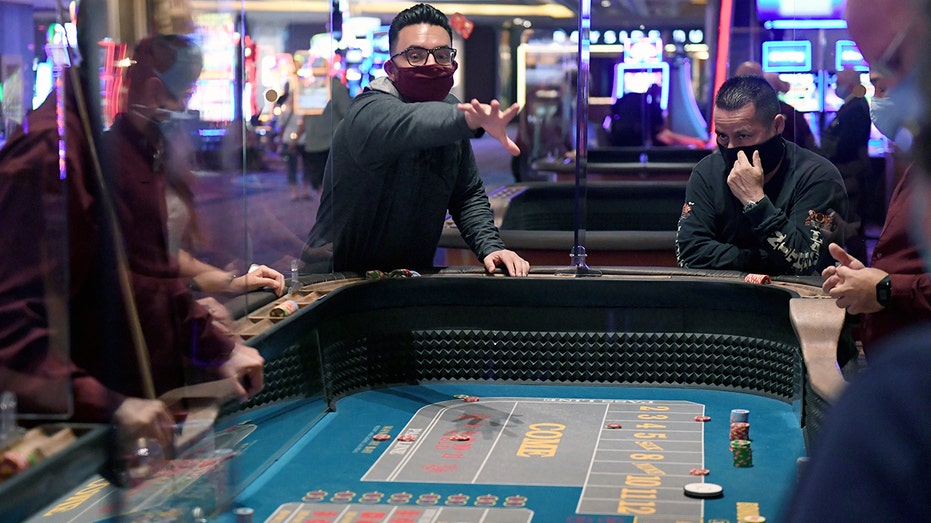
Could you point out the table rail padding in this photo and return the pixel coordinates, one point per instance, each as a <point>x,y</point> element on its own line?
<point>715,334</point>
<point>719,361</point>
<point>632,326</point>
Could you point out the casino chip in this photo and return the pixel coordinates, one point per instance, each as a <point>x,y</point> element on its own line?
<point>613,426</point>
<point>703,490</point>
<point>760,279</point>
<point>740,416</point>
<point>470,399</point>
<point>407,437</point>
<point>699,472</point>
<point>740,430</point>
<point>703,419</point>
<point>459,437</point>
<point>243,514</point>
<point>753,518</point>
<point>381,437</point>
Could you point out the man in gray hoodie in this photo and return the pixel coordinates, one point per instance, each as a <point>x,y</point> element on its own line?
<point>401,159</point>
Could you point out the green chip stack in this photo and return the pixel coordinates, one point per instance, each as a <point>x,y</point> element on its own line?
<point>743,455</point>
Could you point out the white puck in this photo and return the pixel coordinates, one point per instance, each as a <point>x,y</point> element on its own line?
<point>703,490</point>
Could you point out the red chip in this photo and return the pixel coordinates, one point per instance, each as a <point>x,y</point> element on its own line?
<point>470,399</point>
<point>761,279</point>
<point>703,419</point>
<point>381,437</point>
<point>407,437</point>
<point>699,472</point>
<point>613,425</point>
<point>459,437</point>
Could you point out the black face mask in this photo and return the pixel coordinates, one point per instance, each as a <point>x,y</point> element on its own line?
<point>771,153</point>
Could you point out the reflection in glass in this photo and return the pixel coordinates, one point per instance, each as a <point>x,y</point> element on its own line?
<point>260,116</point>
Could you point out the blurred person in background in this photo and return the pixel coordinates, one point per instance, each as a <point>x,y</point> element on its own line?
<point>317,131</point>
<point>845,142</point>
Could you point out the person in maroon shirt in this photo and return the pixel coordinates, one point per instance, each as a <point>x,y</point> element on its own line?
<point>895,290</point>
<point>183,343</point>
<point>870,459</point>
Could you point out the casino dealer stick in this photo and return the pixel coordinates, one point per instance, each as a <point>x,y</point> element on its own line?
<point>140,348</point>
<point>201,404</point>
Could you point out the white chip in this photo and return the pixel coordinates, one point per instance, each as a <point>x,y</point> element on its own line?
<point>703,490</point>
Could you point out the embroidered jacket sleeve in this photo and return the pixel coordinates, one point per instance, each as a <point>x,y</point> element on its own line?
<point>782,234</point>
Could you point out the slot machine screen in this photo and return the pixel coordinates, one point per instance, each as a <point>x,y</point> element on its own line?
<point>799,10</point>
<point>45,81</point>
<point>805,91</point>
<point>786,56</point>
<point>848,56</point>
<point>639,79</point>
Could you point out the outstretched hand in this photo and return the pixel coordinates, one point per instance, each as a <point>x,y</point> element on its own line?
<point>491,118</point>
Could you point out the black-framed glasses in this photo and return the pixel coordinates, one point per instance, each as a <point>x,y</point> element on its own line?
<point>444,55</point>
<point>890,61</point>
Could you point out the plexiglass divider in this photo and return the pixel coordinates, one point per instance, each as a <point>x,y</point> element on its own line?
<point>176,210</point>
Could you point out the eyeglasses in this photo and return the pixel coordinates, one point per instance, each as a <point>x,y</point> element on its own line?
<point>889,62</point>
<point>443,55</point>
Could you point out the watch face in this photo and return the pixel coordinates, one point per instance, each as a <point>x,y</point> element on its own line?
<point>884,291</point>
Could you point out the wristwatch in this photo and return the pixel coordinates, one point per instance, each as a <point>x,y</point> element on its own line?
<point>750,205</point>
<point>884,291</point>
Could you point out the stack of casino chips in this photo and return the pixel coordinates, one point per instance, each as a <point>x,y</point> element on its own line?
<point>743,455</point>
<point>285,308</point>
<point>34,446</point>
<point>740,416</point>
<point>740,438</point>
<point>740,431</point>
<point>397,273</point>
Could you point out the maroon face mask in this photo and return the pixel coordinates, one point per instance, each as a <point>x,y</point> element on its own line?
<point>424,83</point>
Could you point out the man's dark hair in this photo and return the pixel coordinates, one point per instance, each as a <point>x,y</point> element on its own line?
<point>740,91</point>
<point>418,14</point>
